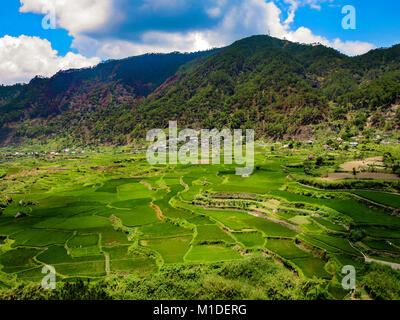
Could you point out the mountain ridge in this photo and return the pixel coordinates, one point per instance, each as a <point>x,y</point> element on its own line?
<point>280,88</point>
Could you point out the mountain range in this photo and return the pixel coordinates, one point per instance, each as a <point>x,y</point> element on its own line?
<point>284,90</point>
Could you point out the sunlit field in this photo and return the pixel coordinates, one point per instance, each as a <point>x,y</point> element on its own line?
<point>110,214</point>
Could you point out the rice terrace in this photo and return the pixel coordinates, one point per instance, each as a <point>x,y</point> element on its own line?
<point>212,156</point>
<point>107,216</point>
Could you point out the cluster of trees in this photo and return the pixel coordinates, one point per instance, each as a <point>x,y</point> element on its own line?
<point>241,88</point>
<point>391,186</point>
<point>254,278</point>
<point>85,105</point>
<point>379,94</point>
<point>381,283</point>
<point>4,203</point>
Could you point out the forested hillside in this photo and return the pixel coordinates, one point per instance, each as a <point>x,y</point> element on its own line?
<point>282,89</point>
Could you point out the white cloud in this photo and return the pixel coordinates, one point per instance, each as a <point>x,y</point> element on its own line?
<point>154,42</point>
<point>76,16</point>
<point>214,12</point>
<point>244,19</point>
<point>251,17</point>
<point>305,35</point>
<point>314,4</point>
<point>352,48</point>
<point>266,17</point>
<point>24,57</point>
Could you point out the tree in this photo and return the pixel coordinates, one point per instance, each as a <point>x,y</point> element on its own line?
<point>356,235</point>
<point>319,161</point>
<point>388,158</point>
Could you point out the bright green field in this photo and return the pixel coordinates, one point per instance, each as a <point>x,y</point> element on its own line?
<point>249,239</point>
<point>337,243</point>
<point>212,233</point>
<point>312,267</point>
<point>39,238</point>
<point>69,266</point>
<point>123,261</point>
<point>211,253</point>
<point>389,199</point>
<point>94,219</point>
<point>172,250</point>
<point>237,220</point>
<point>329,225</point>
<point>286,249</point>
<point>382,245</point>
<point>163,230</point>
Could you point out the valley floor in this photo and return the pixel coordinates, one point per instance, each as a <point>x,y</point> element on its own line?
<point>156,232</point>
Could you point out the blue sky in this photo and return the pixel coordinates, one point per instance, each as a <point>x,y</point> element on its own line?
<point>14,23</point>
<point>378,22</point>
<point>90,31</point>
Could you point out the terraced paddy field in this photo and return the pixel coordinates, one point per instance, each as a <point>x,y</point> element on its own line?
<point>388,199</point>
<point>100,221</point>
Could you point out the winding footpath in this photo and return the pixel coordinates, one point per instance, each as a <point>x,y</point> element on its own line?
<point>395,266</point>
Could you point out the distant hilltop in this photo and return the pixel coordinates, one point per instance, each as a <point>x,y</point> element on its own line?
<point>279,88</point>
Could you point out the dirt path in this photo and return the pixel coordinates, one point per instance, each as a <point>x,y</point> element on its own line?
<point>395,266</point>
<point>365,163</point>
<point>255,214</point>
<point>282,223</point>
<point>107,258</point>
<point>148,185</point>
<point>158,211</point>
<point>349,191</point>
<point>342,190</point>
<point>183,184</point>
<point>373,202</point>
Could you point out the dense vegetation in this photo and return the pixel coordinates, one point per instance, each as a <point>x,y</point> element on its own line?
<point>254,279</point>
<point>279,88</point>
<point>115,227</point>
<point>76,101</point>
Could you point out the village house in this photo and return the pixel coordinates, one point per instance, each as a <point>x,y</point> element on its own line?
<point>326,147</point>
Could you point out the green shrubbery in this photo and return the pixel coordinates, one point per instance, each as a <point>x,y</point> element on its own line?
<point>381,282</point>
<point>272,85</point>
<point>255,278</point>
<point>351,184</point>
<point>78,290</point>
